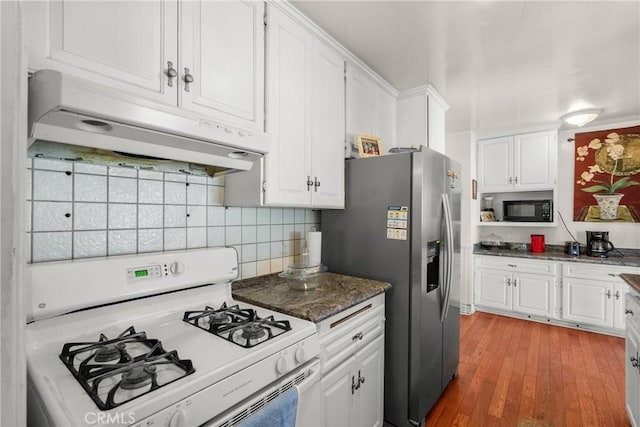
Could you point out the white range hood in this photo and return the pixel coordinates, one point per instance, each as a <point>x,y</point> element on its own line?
<point>86,124</point>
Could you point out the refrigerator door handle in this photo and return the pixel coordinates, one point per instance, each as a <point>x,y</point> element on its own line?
<point>449,250</point>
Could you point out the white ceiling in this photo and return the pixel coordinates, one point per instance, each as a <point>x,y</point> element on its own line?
<point>499,64</point>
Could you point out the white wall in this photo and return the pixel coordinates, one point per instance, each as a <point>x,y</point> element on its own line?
<point>461,146</point>
<point>13,88</point>
<point>622,235</point>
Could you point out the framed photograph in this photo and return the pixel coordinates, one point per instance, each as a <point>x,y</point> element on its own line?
<point>487,216</point>
<point>474,189</point>
<point>369,146</point>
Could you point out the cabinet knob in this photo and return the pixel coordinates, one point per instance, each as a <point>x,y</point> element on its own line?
<point>188,79</point>
<point>171,73</point>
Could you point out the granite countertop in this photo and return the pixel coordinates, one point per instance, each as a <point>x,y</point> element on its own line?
<point>633,280</point>
<point>334,293</point>
<point>622,257</point>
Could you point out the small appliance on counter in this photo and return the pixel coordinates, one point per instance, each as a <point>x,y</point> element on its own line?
<point>572,248</point>
<point>598,244</point>
<point>537,243</point>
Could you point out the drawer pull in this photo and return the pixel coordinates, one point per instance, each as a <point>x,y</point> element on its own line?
<point>628,311</point>
<point>612,274</point>
<point>512,265</point>
<point>344,319</point>
<point>617,294</point>
<point>357,336</point>
<point>608,294</point>
<point>634,361</point>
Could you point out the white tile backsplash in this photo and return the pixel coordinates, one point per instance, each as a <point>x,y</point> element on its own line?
<point>52,185</point>
<point>89,188</point>
<point>82,210</point>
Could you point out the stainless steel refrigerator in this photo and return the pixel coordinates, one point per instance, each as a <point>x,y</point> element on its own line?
<point>401,224</point>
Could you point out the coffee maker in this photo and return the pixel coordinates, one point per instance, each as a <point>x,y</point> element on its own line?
<point>598,244</point>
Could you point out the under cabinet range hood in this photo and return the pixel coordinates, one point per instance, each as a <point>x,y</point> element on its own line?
<point>77,120</point>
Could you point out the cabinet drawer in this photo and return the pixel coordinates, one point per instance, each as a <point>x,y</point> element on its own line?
<point>516,264</point>
<point>596,272</point>
<point>349,336</point>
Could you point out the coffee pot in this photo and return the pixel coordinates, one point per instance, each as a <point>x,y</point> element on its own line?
<point>598,244</point>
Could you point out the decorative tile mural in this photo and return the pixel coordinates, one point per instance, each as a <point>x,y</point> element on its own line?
<point>607,176</point>
<point>79,210</point>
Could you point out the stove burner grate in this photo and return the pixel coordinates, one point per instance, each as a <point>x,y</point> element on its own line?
<point>240,326</point>
<point>119,370</point>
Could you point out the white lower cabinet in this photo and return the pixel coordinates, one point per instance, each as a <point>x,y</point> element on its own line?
<point>632,358</point>
<point>594,294</point>
<point>352,361</point>
<point>352,393</point>
<point>517,285</point>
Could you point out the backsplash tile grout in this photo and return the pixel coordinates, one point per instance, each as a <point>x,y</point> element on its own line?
<point>78,210</point>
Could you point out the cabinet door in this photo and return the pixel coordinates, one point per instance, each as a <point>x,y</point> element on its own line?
<point>588,301</point>
<point>327,127</point>
<point>492,289</point>
<point>361,101</point>
<point>495,164</point>
<point>368,411</point>
<point>619,316</point>
<point>337,395</point>
<point>222,46</point>
<point>632,376</point>
<point>534,161</point>
<point>123,45</point>
<point>288,164</point>
<point>533,294</point>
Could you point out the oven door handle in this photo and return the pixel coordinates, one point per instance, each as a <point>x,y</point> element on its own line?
<point>311,379</point>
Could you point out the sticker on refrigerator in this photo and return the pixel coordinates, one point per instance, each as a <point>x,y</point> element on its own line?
<point>397,221</point>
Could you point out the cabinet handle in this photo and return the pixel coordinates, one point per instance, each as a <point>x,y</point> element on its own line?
<point>609,294</point>
<point>612,274</point>
<point>353,385</point>
<point>512,265</point>
<point>188,79</point>
<point>316,183</point>
<point>510,180</point>
<point>515,282</point>
<point>617,294</point>
<point>171,73</point>
<point>634,361</point>
<point>508,281</point>
<point>309,183</point>
<point>357,337</point>
<point>515,180</point>
<point>628,311</point>
<point>360,379</point>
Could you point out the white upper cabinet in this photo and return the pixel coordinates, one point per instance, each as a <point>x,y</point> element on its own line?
<point>371,109</point>
<point>222,49</point>
<point>206,57</point>
<point>305,104</point>
<point>126,45</point>
<point>518,163</point>
<point>420,118</point>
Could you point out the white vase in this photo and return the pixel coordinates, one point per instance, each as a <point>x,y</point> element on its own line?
<point>608,204</point>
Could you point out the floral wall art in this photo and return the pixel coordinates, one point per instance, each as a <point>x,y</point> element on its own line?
<point>607,176</point>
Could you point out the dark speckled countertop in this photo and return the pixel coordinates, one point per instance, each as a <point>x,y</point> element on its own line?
<point>633,280</point>
<point>625,257</point>
<point>334,293</point>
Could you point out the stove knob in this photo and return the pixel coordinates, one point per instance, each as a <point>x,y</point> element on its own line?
<point>281,365</point>
<point>180,419</point>
<point>176,268</point>
<point>300,355</point>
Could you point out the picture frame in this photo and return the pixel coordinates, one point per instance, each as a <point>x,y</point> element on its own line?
<point>369,145</point>
<point>474,189</point>
<point>487,216</point>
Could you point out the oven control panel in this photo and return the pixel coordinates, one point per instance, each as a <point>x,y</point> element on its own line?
<point>146,272</point>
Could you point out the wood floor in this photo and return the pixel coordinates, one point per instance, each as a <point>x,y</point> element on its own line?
<point>514,372</point>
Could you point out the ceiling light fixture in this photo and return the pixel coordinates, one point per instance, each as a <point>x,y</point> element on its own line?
<point>581,117</point>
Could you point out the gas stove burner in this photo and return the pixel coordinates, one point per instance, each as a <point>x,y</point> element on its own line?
<point>137,377</point>
<point>116,371</point>
<point>254,331</point>
<point>210,319</point>
<point>109,352</point>
<point>240,326</point>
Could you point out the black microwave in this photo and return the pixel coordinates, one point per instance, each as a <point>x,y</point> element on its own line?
<point>527,210</point>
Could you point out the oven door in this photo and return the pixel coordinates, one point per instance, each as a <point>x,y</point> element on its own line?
<point>305,380</point>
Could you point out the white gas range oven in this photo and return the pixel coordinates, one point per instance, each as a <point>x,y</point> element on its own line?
<point>156,339</point>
